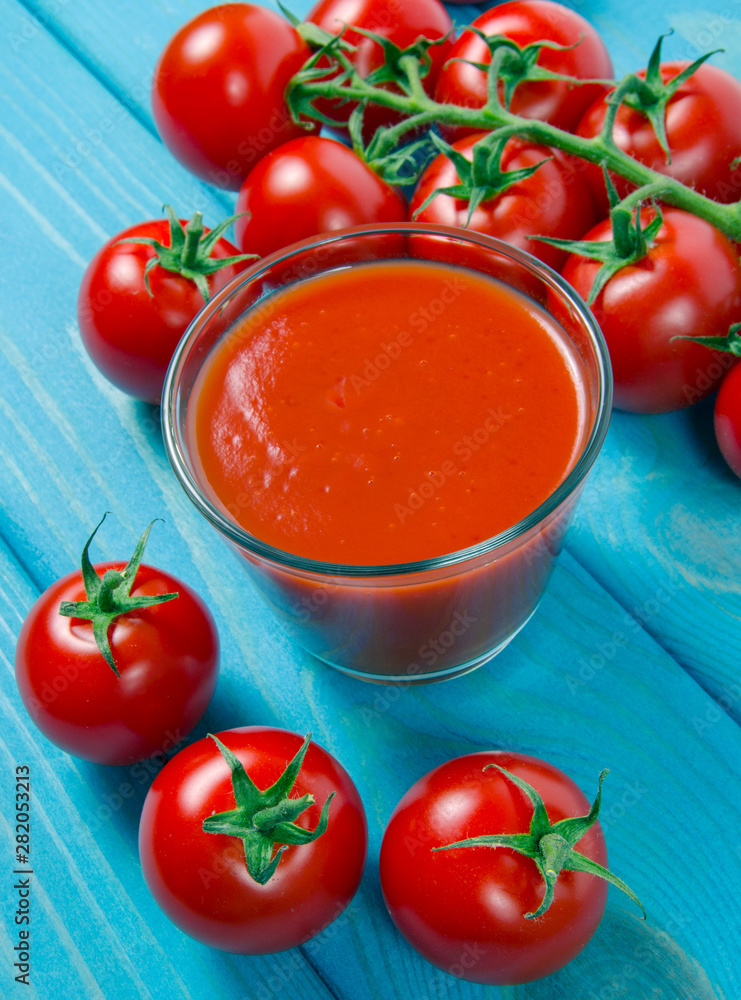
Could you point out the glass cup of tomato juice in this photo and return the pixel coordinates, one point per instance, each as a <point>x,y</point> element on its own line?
<point>396,373</point>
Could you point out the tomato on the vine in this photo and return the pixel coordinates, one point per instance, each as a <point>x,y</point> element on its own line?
<point>703,132</point>
<point>141,290</point>
<point>488,867</point>
<point>117,662</point>
<point>583,55</point>
<point>687,285</point>
<point>400,23</point>
<point>218,90</point>
<point>310,186</point>
<point>236,861</point>
<point>552,201</point>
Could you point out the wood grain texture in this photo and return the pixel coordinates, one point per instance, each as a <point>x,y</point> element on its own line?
<point>631,662</point>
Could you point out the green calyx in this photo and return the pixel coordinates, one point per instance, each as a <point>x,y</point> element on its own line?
<point>330,75</point>
<point>316,74</point>
<point>263,819</point>
<point>651,95</point>
<point>630,241</point>
<point>401,166</point>
<point>189,252</point>
<point>399,78</point>
<point>481,178</point>
<point>730,344</point>
<point>397,60</point>
<point>108,596</point>
<point>512,64</point>
<point>314,36</point>
<point>550,846</point>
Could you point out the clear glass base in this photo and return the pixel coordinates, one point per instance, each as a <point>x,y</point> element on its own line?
<point>407,680</point>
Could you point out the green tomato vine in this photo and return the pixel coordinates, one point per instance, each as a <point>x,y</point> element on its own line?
<point>330,74</point>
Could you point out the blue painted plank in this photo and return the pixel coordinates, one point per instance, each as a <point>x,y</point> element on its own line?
<point>659,528</point>
<point>588,684</point>
<point>115,45</point>
<point>617,547</point>
<point>95,930</point>
<point>639,714</point>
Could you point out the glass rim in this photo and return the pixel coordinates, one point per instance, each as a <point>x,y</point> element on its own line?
<point>289,560</point>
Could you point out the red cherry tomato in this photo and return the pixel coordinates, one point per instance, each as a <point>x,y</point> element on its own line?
<point>200,878</point>
<point>561,104</point>
<point>688,285</point>
<point>728,418</point>
<point>310,186</point>
<point>402,23</point>
<point>217,94</point>
<point>131,331</point>
<point>554,201</point>
<point>465,909</point>
<point>703,131</point>
<point>166,656</point>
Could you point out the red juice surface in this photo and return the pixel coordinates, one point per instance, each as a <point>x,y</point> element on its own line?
<point>387,412</point>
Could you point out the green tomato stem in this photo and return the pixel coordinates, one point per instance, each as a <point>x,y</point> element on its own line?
<point>601,150</point>
<point>108,597</point>
<point>265,819</point>
<point>551,846</point>
<point>191,246</point>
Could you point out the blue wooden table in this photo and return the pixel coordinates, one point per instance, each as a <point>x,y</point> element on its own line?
<point>631,663</point>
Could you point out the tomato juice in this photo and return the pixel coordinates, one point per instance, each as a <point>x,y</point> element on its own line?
<point>393,444</point>
<point>390,412</point>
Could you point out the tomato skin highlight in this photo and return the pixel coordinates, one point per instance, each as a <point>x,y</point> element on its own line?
<point>526,22</point>
<point>703,131</point>
<point>463,909</point>
<point>688,285</point>
<point>310,186</point>
<point>167,657</point>
<point>129,333</point>
<point>727,418</point>
<point>554,201</point>
<point>217,93</point>
<point>200,879</point>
